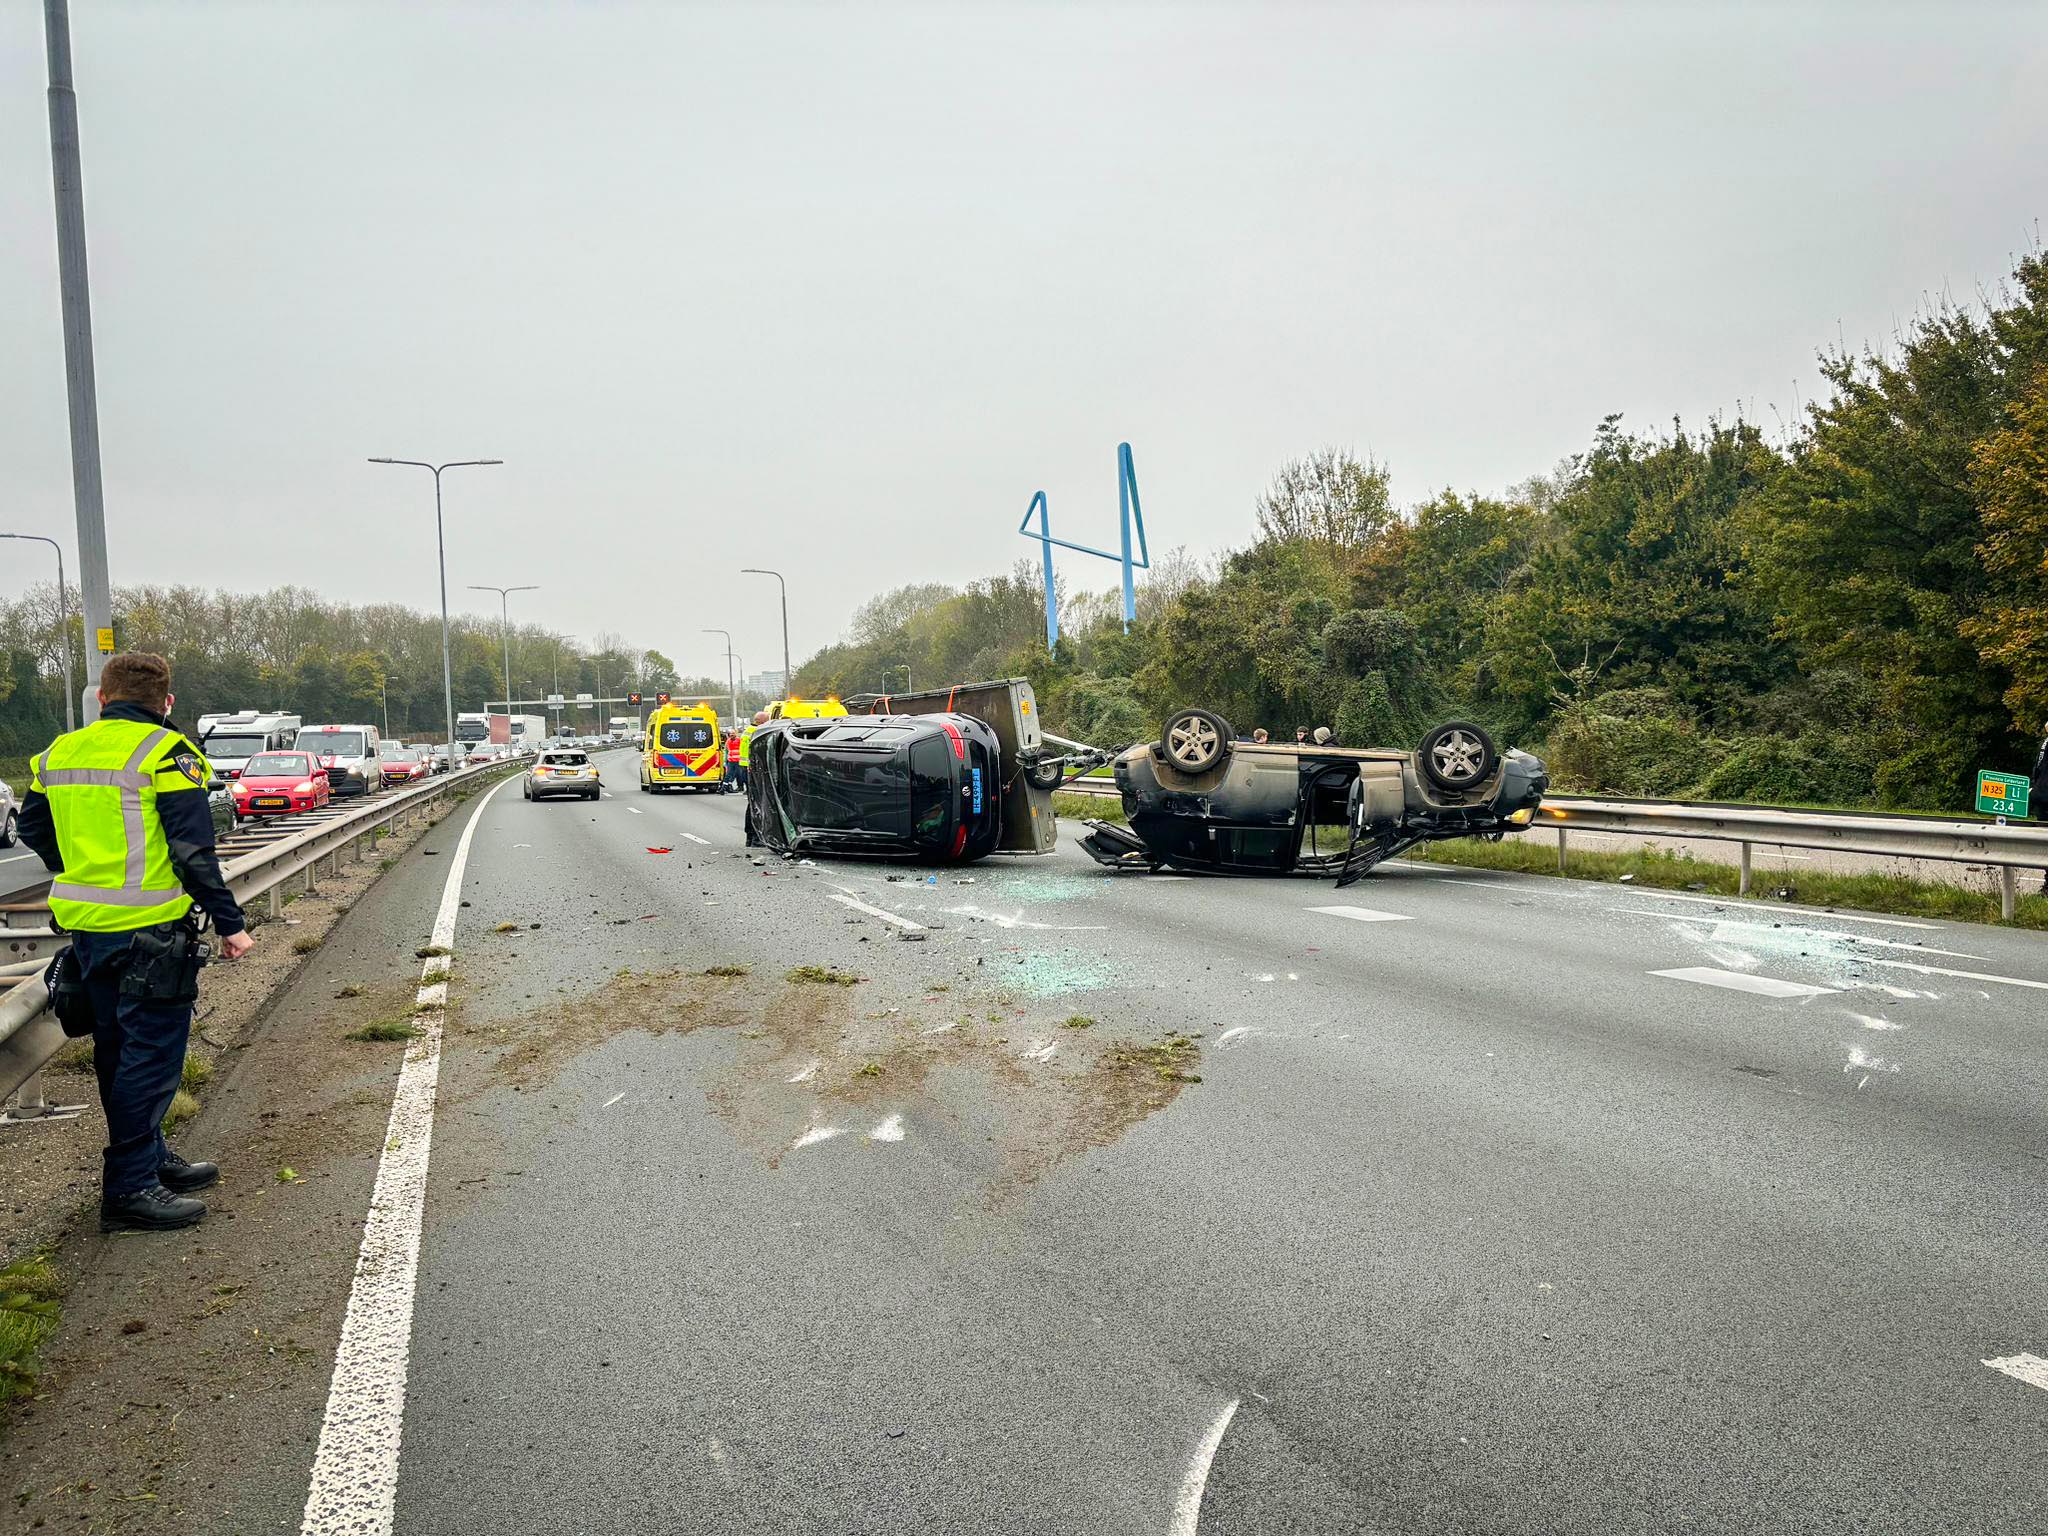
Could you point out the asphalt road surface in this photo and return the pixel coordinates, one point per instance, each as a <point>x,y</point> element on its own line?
<point>1501,1205</point>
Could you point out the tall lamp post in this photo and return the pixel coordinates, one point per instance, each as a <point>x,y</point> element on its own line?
<point>907,688</point>
<point>441,551</point>
<point>63,622</point>
<point>755,570</point>
<point>730,687</point>
<point>505,632</point>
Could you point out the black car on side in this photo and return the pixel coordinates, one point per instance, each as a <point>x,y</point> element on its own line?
<point>1199,799</point>
<point>922,787</point>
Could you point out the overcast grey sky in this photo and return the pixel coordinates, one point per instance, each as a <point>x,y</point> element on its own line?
<point>836,288</point>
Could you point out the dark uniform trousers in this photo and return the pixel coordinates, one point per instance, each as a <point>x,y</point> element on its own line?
<point>138,1050</point>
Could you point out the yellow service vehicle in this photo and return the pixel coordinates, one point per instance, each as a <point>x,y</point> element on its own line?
<point>682,749</point>
<point>806,709</point>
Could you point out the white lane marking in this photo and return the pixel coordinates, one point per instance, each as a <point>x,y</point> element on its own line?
<point>846,900</point>
<point>693,837</point>
<point>805,1074</point>
<point>1018,920</point>
<point>1187,1509</point>
<point>1363,914</point>
<point>355,1469</point>
<point>1797,930</point>
<point>890,1129</point>
<point>608,1103</point>
<point>1749,904</point>
<point>1738,981</point>
<point>1937,970</point>
<point>2031,1369</point>
<point>632,810</point>
<point>816,1134</point>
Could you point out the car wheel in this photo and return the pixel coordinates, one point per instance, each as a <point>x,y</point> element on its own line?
<point>526,790</point>
<point>1195,740</point>
<point>7,830</point>
<point>1457,755</point>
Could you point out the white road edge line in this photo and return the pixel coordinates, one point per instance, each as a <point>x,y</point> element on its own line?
<point>1187,1509</point>
<point>355,1470</point>
<point>1751,904</point>
<point>2031,1369</point>
<point>847,900</point>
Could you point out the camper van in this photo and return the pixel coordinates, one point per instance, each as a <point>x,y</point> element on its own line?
<point>229,741</point>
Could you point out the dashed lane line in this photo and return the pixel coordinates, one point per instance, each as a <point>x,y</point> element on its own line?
<point>693,837</point>
<point>1743,981</point>
<point>2031,1369</point>
<point>1364,914</point>
<point>1801,931</point>
<point>355,1470</point>
<point>1746,904</point>
<point>847,899</point>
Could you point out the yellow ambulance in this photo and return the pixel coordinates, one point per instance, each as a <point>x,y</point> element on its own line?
<point>682,749</point>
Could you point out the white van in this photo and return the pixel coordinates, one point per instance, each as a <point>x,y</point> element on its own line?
<point>351,754</point>
<point>229,741</point>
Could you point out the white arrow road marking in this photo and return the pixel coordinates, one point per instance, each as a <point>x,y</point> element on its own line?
<point>1738,981</point>
<point>1363,914</point>
<point>847,899</point>
<point>2031,1369</point>
<point>1187,1509</point>
<point>355,1469</point>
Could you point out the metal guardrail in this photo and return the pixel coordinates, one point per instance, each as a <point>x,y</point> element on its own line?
<point>2006,847</point>
<point>255,863</point>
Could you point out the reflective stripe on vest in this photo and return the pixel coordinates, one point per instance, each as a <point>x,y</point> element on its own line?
<point>89,896</point>
<point>746,745</point>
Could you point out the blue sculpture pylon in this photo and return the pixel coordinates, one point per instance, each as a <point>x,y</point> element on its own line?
<point>1130,515</point>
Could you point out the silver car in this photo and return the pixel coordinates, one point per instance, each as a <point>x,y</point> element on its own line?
<point>9,814</point>
<point>564,771</point>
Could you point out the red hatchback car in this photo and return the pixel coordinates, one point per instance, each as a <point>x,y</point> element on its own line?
<point>279,783</point>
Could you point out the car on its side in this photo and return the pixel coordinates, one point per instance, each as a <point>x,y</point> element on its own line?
<point>10,814</point>
<point>920,787</point>
<point>281,784</point>
<point>1198,799</point>
<point>348,753</point>
<point>564,771</point>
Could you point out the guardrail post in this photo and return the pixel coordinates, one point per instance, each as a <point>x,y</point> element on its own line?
<point>276,895</point>
<point>1560,850</point>
<point>2008,891</point>
<point>1742,883</point>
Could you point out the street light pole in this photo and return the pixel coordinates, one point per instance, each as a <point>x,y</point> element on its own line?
<point>441,551</point>
<point>63,623</point>
<point>754,570</point>
<point>505,633</point>
<point>75,296</point>
<point>732,690</point>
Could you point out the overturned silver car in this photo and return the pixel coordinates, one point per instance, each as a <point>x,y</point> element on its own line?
<point>1198,799</point>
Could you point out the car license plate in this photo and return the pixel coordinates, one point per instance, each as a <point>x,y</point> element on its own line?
<point>976,774</point>
<point>272,803</point>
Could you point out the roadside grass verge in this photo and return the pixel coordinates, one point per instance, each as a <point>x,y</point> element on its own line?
<point>1893,895</point>
<point>30,1294</point>
<point>1088,807</point>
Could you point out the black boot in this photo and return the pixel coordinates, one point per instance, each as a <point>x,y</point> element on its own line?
<point>154,1209</point>
<point>182,1177</point>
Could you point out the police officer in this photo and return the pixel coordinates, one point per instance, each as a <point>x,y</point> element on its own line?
<point>118,812</point>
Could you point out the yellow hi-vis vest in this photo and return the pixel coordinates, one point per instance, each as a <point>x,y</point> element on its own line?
<point>746,744</point>
<point>101,785</point>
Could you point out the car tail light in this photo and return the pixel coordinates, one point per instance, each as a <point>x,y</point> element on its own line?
<point>959,742</point>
